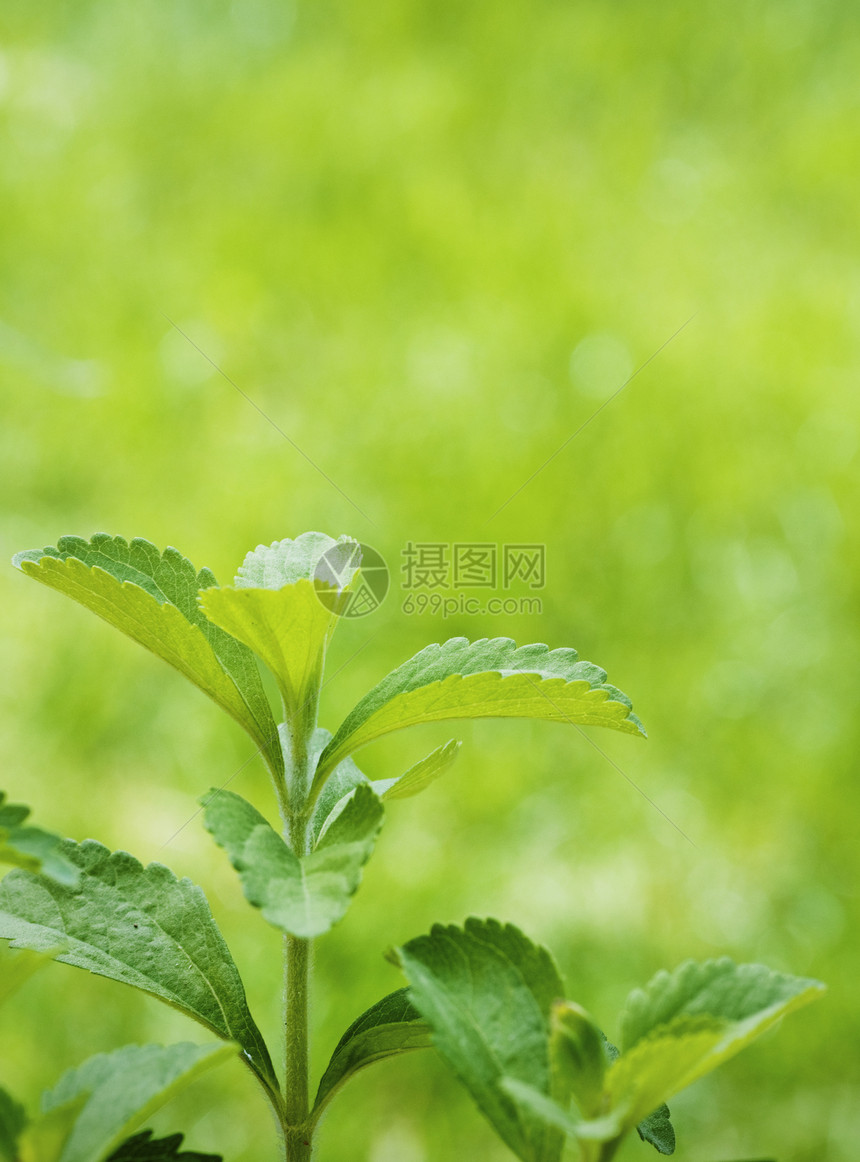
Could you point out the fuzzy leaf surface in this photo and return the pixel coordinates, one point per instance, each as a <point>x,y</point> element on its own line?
<point>143,1147</point>
<point>141,926</point>
<point>657,1129</point>
<point>737,993</point>
<point>152,597</point>
<point>120,1090</point>
<point>486,992</point>
<point>303,896</point>
<point>288,561</point>
<point>390,1027</point>
<point>30,847</point>
<point>483,679</point>
<point>13,1119</point>
<point>275,610</point>
<point>288,629</point>
<point>686,1023</point>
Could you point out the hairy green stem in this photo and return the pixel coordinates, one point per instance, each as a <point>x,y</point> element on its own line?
<point>297,1126</point>
<point>298,1129</point>
<point>298,1143</point>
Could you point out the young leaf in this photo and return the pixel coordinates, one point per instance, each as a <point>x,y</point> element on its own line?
<point>347,776</point>
<point>30,847</point>
<point>545,1108</point>
<point>340,785</point>
<point>744,994</point>
<point>285,562</point>
<point>142,927</point>
<point>578,1054</point>
<point>425,772</point>
<point>288,628</point>
<point>124,1088</point>
<point>486,992</point>
<point>482,679</point>
<point>306,895</point>
<point>152,597</point>
<point>390,1027</point>
<point>684,1024</point>
<point>144,1148</point>
<point>276,611</point>
<point>13,1119</point>
<point>657,1128</point>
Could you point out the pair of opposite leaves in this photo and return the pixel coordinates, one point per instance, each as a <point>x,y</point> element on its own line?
<point>211,635</point>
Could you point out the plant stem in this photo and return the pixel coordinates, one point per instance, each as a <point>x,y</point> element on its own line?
<point>298,1130</point>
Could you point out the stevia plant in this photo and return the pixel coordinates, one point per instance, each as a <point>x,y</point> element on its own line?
<point>489,1001</point>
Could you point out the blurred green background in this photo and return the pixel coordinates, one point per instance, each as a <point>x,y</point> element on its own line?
<point>429,240</point>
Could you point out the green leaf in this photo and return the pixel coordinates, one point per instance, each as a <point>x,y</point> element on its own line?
<point>425,772</point>
<point>657,1128</point>
<point>486,991</point>
<point>144,1148</point>
<point>303,896</point>
<point>288,561</point>
<point>152,597</point>
<point>737,993</point>
<point>341,783</point>
<point>684,1024</point>
<point>390,1027</point>
<point>482,679</point>
<point>544,1108</point>
<point>346,777</point>
<point>288,629</point>
<point>681,1026</point>
<point>275,610</point>
<point>578,1054</point>
<point>13,1119</point>
<point>30,847</point>
<point>142,927</point>
<point>124,1088</point>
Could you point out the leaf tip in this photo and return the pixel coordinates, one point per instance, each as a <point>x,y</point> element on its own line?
<point>392,955</point>
<point>26,555</point>
<point>639,726</point>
